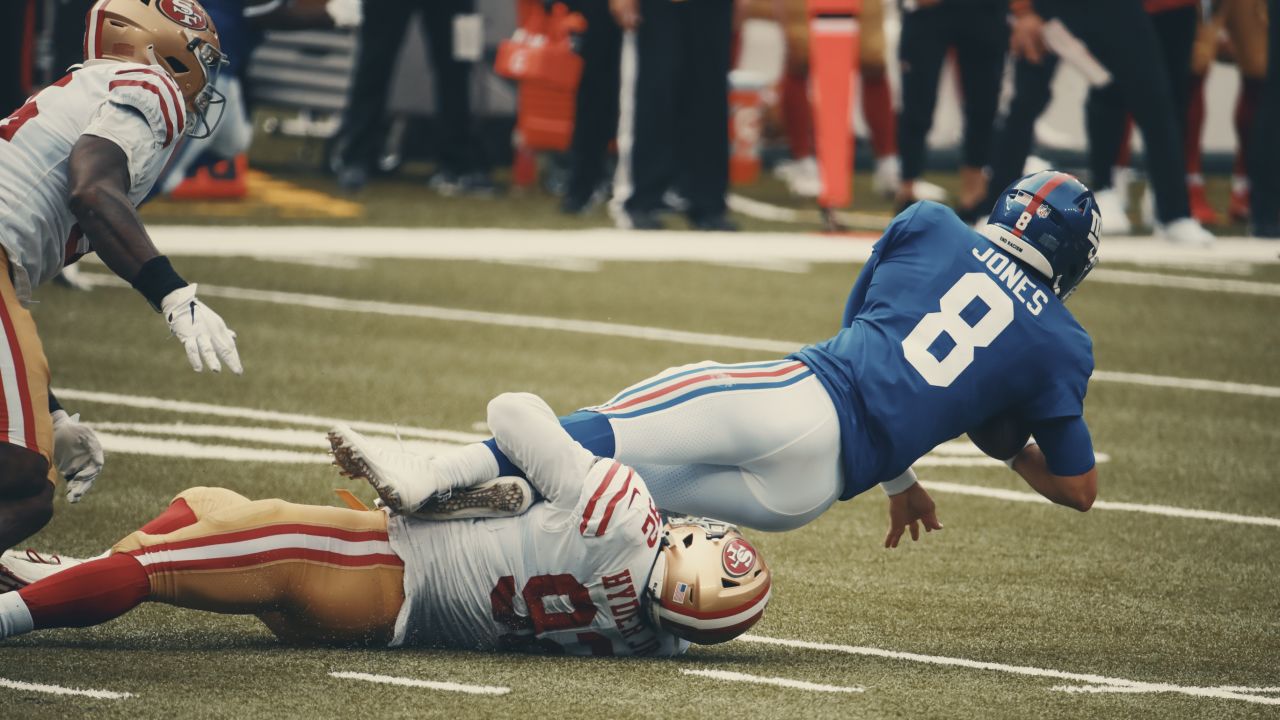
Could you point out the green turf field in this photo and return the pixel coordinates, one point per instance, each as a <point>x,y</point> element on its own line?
<point>1015,610</point>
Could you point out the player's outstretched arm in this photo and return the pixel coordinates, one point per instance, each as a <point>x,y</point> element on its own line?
<point>1074,491</point>
<point>98,171</point>
<point>530,434</point>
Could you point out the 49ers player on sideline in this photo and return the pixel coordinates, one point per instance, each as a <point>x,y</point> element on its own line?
<point>590,570</point>
<point>75,160</point>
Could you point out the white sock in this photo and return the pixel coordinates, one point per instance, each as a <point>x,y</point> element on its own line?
<point>15,618</point>
<point>465,467</point>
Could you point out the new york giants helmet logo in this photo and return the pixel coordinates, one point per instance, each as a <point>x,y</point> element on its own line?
<point>184,12</point>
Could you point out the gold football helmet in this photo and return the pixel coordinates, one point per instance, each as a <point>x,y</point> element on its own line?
<point>708,585</point>
<point>177,35</point>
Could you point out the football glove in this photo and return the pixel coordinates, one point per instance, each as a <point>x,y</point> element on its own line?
<point>207,339</point>
<point>77,454</point>
<point>345,13</point>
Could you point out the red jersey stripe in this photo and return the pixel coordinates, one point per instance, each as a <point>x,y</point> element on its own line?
<point>164,109</point>
<point>702,378</point>
<point>28,419</point>
<point>591,504</point>
<point>172,89</point>
<point>269,530</point>
<point>608,511</point>
<point>274,556</point>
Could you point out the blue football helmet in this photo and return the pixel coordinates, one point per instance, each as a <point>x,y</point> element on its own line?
<point>1050,221</point>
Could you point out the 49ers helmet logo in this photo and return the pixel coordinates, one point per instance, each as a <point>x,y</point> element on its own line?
<point>738,557</point>
<point>184,12</point>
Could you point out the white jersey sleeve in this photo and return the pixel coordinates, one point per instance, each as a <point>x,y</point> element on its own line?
<point>145,115</point>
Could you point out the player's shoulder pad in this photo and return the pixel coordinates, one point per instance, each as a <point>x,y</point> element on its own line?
<point>149,90</point>
<point>612,492</point>
<point>914,220</point>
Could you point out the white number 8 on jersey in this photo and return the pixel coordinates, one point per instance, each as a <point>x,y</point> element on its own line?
<point>915,347</point>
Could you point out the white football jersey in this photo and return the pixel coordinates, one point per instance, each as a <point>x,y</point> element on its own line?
<point>137,107</point>
<point>567,576</point>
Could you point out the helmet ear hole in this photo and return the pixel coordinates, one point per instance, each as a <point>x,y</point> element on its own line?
<point>727,583</point>
<point>688,540</point>
<point>177,65</point>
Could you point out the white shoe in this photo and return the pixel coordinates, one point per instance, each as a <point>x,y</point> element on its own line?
<point>925,190</point>
<point>1149,208</point>
<point>403,480</point>
<point>1184,231</point>
<point>803,178</point>
<point>887,178</point>
<point>497,498</point>
<point>19,569</point>
<point>1115,219</point>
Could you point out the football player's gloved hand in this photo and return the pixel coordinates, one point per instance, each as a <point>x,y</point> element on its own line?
<point>910,509</point>
<point>77,453</point>
<point>202,332</point>
<point>345,13</point>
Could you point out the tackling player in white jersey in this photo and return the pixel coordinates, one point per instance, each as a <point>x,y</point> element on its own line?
<point>75,161</point>
<point>590,570</point>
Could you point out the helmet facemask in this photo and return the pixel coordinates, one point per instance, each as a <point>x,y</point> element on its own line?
<point>208,105</point>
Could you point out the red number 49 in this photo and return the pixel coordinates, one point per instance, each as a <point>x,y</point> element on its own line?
<point>536,590</point>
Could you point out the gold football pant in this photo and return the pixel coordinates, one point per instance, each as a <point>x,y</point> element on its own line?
<point>24,377</point>
<point>313,574</point>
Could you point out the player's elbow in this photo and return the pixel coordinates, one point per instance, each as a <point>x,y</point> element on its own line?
<point>1080,491</point>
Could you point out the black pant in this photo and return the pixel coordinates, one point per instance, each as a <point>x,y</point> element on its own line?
<point>596,115</point>
<point>1119,33</point>
<point>13,27</point>
<point>1105,110</point>
<point>1264,151</point>
<point>1032,91</point>
<point>680,120</point>
<point>381,35</point>
<point>980,35</point>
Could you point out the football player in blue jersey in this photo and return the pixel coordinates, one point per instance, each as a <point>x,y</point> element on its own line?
<point>947,330</point>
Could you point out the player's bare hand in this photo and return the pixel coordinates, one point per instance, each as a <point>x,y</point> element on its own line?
<point>1026,38</point>
<point>909,510</point>
<point>206,338</point>
<point>626,13</point>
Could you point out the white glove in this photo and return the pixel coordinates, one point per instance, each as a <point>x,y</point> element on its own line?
<point>77,453</point>
<point>205,336</point>
<point>345,13</point>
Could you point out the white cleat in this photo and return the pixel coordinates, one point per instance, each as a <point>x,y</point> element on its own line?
<point>887,178</point>
<point>498,498</point>
<point>403,480</point>
<point>1186,232</point>
<point>925,190</point>
<point>19,569</point>
<point>1114,211</point>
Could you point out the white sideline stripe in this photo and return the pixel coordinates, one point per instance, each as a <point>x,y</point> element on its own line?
<point>159,447</point>
<point>59,690</point>
<point>1209,692</point>
<point>615,245</point>
<point>429,684</point>
<point>1142,689</point>
<point>638,332</point>
<point>307,439</point>
<point>195,408</point>
<point>776,681</point>
<point>1166,510</point>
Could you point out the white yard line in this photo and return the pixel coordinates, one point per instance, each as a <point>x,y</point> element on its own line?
<point>1182,282</point>
<point>59,690</point>
<point>1165,510</point>
<point>775,681</point>
<point>636,332</point>
<point>428,684</point>
<point>1219,693</point>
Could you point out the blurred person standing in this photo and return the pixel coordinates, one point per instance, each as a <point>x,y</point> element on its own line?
<point>1120,35</point>
<point>17,28</point>
<point>978,32</point>
<point>596,110</point>
<point>1174,23</point>
<point>1264,152</point>
<point>673,126</point>
<point>454,36</point>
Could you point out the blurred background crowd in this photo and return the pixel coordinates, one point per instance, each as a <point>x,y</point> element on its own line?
<point>654,108</point>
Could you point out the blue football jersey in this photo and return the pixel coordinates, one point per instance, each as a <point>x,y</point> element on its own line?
<point>942,332</point>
